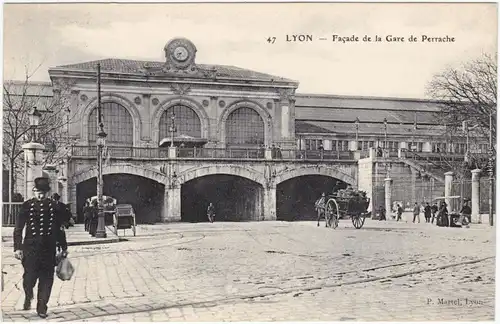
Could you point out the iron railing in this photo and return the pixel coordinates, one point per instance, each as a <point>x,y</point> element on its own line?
<point>213,153</point>
<point>9,212</point>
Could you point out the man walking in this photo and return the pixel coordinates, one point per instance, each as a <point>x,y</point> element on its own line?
<point>434,210</point>
<point>400,212</point>
<point>38,251</point>
<point>416,213</point>
<point>427,213</point>
<point>211,213</point>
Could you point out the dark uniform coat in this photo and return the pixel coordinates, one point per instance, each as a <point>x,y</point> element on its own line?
<point>43,233</point>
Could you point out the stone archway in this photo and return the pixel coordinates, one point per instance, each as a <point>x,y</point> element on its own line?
<point>235,170</point>
<point>316,170</point>
<point>144,172</point>
<point>142,187</point>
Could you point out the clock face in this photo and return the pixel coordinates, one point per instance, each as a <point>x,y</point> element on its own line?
<point>181,53</point>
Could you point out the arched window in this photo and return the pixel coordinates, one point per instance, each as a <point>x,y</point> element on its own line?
<point>187,122</point>
<point>244,127</point>
<point>117,122</point>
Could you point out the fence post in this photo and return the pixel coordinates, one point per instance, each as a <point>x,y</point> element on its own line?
<point>475,195</point>
<point>448,181</point>
<point>388,197</point>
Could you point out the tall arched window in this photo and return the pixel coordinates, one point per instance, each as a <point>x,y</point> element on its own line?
<point>244,127</point>
<point>187,122</point>
<point>118,124</point>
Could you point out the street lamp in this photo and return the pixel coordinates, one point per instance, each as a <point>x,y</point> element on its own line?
<point>356,123</point>
<point>101,142</point>
<point>172,129</point>
<point>34,122</point>
<point>385,134</point>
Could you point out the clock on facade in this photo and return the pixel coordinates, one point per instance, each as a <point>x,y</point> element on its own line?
<point>181,53</point>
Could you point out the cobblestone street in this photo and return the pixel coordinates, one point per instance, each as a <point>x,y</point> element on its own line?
<point>264,271</point>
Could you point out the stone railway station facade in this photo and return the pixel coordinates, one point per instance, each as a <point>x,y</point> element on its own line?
<point>244,140</point>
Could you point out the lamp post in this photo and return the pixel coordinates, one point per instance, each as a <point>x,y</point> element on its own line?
<point>101,142</point>
<point>356,123</point>
<point>172,129</point>
<point>34,122</point>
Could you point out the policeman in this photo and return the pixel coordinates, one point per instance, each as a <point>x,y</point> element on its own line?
<point>38,251</point>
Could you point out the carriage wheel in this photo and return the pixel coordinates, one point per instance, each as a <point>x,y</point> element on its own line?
<point>358,220</point>
<point>333,215</point>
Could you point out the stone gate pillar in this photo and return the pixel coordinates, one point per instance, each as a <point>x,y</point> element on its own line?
<point>388,197</point>
<point>33,157</point>
<point>270,203</point>
<point>448,180</point>
<point>475,195</point>
<point>51,171</point>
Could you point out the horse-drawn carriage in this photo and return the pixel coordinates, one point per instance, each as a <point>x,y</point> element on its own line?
<point>343,203</point>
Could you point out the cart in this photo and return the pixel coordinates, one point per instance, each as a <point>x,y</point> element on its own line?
<point>124,218</point>
<point>343,203</point>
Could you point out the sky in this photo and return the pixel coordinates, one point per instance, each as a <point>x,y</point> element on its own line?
<point>39,36</point>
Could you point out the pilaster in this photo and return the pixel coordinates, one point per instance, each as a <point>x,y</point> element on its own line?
<point>146,127</point>
<point>270,203</point>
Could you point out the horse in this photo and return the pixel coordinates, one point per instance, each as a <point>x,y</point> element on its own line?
<point>320,207</point>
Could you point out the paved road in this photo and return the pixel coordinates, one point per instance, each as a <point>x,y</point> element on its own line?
<point>267,271</point>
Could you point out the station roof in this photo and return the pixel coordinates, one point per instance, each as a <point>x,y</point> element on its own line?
<point>331,113</point>
<point>140,67</point>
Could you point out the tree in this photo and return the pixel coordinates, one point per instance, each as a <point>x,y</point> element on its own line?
<point>467,96</point>
<point>19,99</point>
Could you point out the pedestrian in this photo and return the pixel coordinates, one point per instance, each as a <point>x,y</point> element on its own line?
<point>465,214</point>
<point>416,213</point>
<point>211,213</point>
<point>434,210</point>
<point>94,217</point>
<point>427,213</point>
<point>63,210</point>
<point>37,253</point>
<point>87,216</point>
<point>442,217</point>
<point>400,212</point>
<point>382,214</point>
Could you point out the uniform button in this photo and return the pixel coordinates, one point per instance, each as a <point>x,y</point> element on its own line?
<point>32,204</point>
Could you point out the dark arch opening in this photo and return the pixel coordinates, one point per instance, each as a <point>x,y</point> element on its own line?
<point>235,198</point>
<point>295,197</point>
<point>145,195</point>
